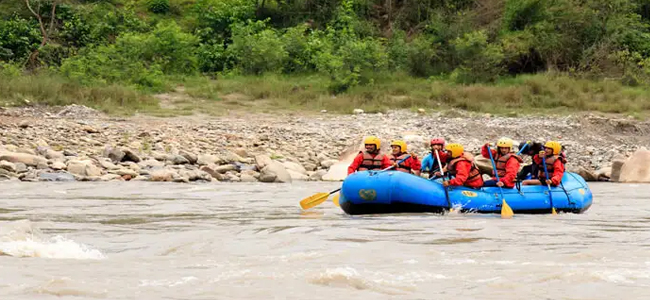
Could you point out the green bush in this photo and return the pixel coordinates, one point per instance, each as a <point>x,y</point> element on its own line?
<point>219,15</point>
<point>18,38</point>
<point>257,49</point>
<point>158,6</point>
<point>479,59</point>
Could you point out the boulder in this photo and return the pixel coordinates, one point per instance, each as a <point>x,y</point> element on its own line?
<point>310,166</point>
<point>617,165</point>
<point>109,177</point>
<point>130,155</point>
<point>107,164</point>
<point>636,167</point>
<point>247,178</point>
<point>178,159</point>
<point>191,157</point>
<point>9,166</point>
<point>225,168</point>
<point>58,165</point>
<point>604,174</point>
<point>207,159</point>
<point>282,175</point>
<point>116,155</point>
<point>297,175</point>
<point>151,163</point>
<point>337,172</point>
<point>163,175</point>
<point>318,175</point>
<point>27,159</point>
<point>262,161</point>
<point>83,168</point>
<point>63,176</point>
<point>129,172</point>
<point>211,170</point>
<point>268,177</point>
<point>233,157</point>
<point>329,162</point>
<point>295,167</point>
<point>587,174</point>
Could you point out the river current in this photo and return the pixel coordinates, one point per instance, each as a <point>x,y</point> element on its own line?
<point>127,240</point>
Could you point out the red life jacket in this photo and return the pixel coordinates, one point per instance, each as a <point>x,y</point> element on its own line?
<point>401,166</point>
<point>371,163</point>
<point>474,173</point>
<point>502,161</point>
<point>550,162</point>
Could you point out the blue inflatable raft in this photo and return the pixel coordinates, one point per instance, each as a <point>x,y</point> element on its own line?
<point>371,192</point>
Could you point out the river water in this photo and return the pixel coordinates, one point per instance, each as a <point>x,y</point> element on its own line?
<point>252,241</point>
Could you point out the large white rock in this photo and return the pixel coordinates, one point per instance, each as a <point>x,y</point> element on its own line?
<point>295,167</point>
<point>637,167</point>
<point>279,170</point>
<point>297,175</point>
<point>28,159</point>
<point>83,168</point>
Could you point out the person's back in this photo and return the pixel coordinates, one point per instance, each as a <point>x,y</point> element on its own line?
<point>462,168</point>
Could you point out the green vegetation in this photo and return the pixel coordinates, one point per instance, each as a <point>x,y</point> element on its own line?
<point>498,56</point>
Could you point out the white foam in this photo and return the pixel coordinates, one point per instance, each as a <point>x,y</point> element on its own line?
<point>57,247</point>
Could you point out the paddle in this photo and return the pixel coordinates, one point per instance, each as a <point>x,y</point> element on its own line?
<point>506,211</point>
<point>523,148</point>
<point>550,194</point>
<point>442,172</point>
<point>319,198</point>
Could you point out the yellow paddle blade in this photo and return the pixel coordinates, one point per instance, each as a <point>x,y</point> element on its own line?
<point>313,200</point>
<point>335,200</point>
<point>554,212</point>
<point>506,211</point>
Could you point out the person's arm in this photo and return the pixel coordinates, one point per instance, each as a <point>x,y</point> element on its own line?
<point>386,162</point>
<point>484,151</point>
<point>416,166</point>
<point>427,164</point>
<point>355,164</point>
<point>558,172</point>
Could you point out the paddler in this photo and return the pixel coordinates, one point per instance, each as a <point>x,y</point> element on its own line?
<point>461,166</point>
<point>370,159</point>
<point>507,163</point>
<point>410,164</point>
<point>529,148</point>
<point>554,160</point>
<point>430,163</point>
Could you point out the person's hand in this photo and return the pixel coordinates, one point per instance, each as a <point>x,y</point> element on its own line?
<point>500,184</point>
<point>413,155</point>
<point>394,165</point>
<point>542,153</point>
<point>436,174</point>
<point>548,181</point>
<point>445,183</point>
<point>488,144</point>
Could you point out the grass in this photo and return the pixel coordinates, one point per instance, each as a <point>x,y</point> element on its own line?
<point>530,94</point>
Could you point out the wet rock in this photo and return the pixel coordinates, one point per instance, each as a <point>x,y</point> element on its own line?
<point>604,174</point>
<point>62,176</point>
<point>297,176</point>
<point>317,175</point>
<point>279,170</point>
<point>83,168</point>
<point>163,175</point>
<point>232,177</point>
<point>587,174</point>
<point>289,165</point>
<point>109,177</point>
<point>211,170</point>
<point>268,177</point>
<point>179,159</point>
<point>247,178</point>
<point>27,159</point>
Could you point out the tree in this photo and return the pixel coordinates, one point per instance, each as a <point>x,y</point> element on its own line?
<point>45,34</point>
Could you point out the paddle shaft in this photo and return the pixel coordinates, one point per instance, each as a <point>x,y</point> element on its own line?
<point>442,172</point>
<point>496,173</point>
<point>522,148</point>
<point>550,194</point>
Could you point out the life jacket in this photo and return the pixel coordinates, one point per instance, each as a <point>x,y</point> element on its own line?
<point>474,173</point>
<point>502,161</point>
<point>401,166</point>
<point>550,162</point>
<point>369,162</point>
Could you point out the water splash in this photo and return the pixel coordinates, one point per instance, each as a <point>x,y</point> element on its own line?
<point>22,239</point>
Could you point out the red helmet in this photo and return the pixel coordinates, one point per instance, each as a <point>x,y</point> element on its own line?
<point>438,141</point>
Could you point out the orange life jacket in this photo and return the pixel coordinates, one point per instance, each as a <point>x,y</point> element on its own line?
<point>502,161</point>
<point>401,166</point>
<point>550,162</point>
<point>371,163</point>
<point>474,173</point>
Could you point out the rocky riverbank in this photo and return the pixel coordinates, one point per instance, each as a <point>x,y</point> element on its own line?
<point>78,143</point>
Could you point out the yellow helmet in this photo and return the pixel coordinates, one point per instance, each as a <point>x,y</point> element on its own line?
<point>455,149</point>
<point>372,140</point>
<point>401,144</point>
<point>555,146</point>
<point>505,143</point>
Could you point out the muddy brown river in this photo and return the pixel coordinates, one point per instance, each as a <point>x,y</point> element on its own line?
<point>128,240</point>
